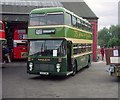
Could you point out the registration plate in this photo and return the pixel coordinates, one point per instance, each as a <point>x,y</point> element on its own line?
<point>44,73</point>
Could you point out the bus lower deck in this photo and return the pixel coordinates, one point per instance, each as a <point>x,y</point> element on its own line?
<point>55,57</point>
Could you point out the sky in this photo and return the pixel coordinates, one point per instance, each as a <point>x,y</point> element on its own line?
<point>105,10</point>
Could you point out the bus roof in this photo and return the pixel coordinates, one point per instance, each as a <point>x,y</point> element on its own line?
<point>56,9</point>
<point>47,10</point>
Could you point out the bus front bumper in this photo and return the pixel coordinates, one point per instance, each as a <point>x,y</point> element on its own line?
<point>50,73</point>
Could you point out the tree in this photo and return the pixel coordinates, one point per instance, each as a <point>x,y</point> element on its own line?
<point>103,37</point>
<point>109,37</point>
<point>113,42</point>
<point>115,30</point>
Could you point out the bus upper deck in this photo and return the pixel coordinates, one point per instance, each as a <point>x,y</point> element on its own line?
<point>58,22</point>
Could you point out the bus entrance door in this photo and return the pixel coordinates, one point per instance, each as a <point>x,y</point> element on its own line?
<point>69,52</point>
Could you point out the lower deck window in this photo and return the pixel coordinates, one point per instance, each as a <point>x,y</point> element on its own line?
<point>81,48</point>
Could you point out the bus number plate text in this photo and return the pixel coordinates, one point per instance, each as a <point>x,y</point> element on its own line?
<point>44,73</point>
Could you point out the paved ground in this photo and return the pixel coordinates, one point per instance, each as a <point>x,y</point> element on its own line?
<point>93,82</point>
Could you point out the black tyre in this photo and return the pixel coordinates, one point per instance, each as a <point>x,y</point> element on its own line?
<point>89,63</point>
<point>74,68</point>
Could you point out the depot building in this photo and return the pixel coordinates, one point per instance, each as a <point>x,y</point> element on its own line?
<point>15,14</point>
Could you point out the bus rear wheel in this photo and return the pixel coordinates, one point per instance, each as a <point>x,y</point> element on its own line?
<point>89,63</point>
<point>74,68</point>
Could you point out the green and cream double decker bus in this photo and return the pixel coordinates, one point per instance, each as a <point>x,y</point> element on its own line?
<point>59,42</point>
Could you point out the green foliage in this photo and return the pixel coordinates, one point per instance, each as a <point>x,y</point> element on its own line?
<point>109,37</point>
<point>113,42</point>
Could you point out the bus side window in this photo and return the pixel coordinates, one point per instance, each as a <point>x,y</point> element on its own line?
<point>15,44</point>
<point>89,47</point>
<point>75,49</point>
<point>79,23</point>
<point>90,28</point>
<point>74,21</point>
<point>68,19</point>
<point>83,25</point>
<point>79,49</point>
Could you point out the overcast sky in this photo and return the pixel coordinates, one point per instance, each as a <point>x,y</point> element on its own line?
<point>106,10</point>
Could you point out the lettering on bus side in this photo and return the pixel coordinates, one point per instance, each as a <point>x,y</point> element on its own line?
<point>44,59</point>
<point>82,35</point>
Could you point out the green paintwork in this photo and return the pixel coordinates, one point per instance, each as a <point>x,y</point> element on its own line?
<point>58,33</point>
<point>83,61</point>
<point>53,61</point>
<point>61,31</point>
<point>66,32</point>
<point>48,10</point>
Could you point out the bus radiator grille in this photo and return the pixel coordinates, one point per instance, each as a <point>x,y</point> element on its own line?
<point>44,67</point>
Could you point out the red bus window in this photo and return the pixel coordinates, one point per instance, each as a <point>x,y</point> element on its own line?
<point>21,44</point>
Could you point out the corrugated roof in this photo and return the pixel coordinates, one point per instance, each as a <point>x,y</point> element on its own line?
<point>39,3</point>
<point>25,6</point>
<point>80,8</point>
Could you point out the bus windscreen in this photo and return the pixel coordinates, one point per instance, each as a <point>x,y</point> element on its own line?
<point>48,47</point>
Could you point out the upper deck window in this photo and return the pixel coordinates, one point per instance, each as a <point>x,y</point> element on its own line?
<point>55,18</point>
<point>37,19</point>
<point>68,19</point>
<point>79,23</point>
<point>74,21</point>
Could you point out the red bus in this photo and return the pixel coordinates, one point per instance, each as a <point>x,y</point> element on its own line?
<point>20,43</point>
<point>2,31</point>
<point>17,39</point>
<point>2,37</point>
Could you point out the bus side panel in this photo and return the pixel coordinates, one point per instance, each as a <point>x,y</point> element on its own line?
<point>82,61</point>
<point>78,34</point>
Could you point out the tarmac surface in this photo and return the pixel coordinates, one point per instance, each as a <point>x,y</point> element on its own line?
<point>93,82</point>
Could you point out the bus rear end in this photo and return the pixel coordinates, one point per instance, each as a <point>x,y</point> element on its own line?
<point>20,49</point>
<point>20,43</point>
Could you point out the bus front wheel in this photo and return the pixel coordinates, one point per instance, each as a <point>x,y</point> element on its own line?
<point>74,68</point>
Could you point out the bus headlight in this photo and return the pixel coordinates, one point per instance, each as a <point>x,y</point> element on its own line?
<point>58,67</point>
<point>31,66</point>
